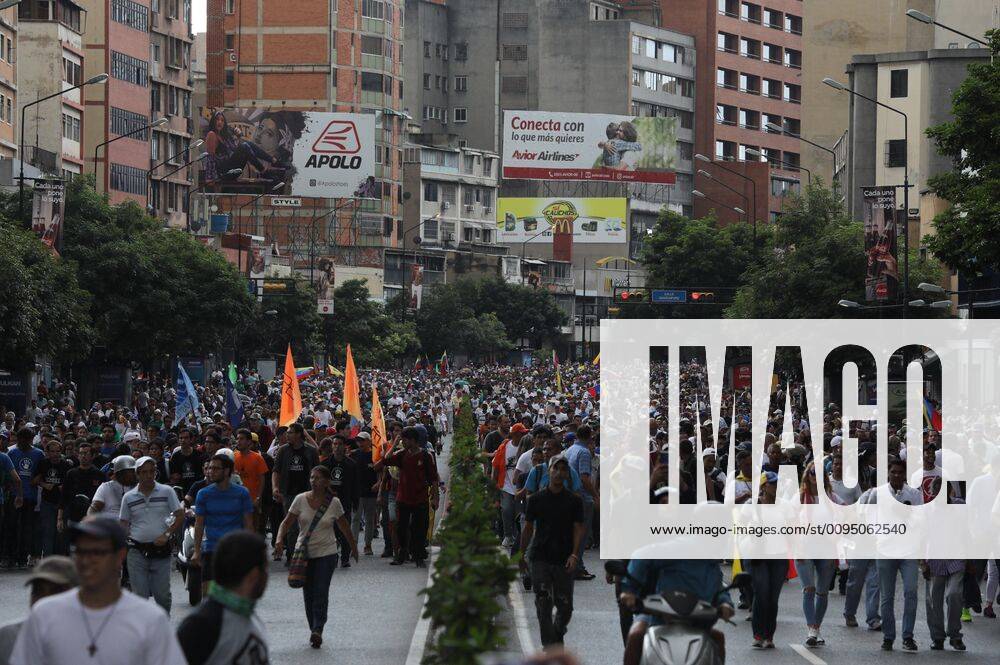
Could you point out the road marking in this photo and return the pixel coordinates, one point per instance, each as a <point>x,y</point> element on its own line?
<point>521,620</point>
<point>807,654</point>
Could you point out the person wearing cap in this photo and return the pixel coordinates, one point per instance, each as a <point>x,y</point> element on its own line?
<point>553,531</point>
<point>252,469</point>
<point>502,474</point>
<point>146,511</point>
<point>25,459</point>
<point>581,460</point>
<point>108,497</point>
<point>417,482</point>
<point>99,623</point>
<point>367,492</point>
<point>715,484</point>
<point>51,575</point>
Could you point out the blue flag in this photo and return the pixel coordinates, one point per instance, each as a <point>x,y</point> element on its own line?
<point>234,407</point>
<point>187,398</point>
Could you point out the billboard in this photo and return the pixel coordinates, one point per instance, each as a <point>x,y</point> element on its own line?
<point>47,211</point>
<point>416,285</point>
<point>252,150</point>
<point>590,220</point>
<point>882,276</point>
<point>542,145</point>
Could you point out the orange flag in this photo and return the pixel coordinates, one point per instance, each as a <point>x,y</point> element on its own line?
<point>352,399</point>
<point>379,440</point>
<point>291,398</point>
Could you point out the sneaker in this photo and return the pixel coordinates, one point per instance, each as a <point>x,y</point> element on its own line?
<point>937,645</point>
<point>507,542</point>
<point>875,626</point>
<point>743,605</point>
<point>909,645</point>
<point>811,639</point>
<point>420,563</point>
<point>886,645</point>
<point>345,564</point>
<point>386,555</point>
<point>757,643</point>
<point>989,613</point>
<point>368,551</point>
<point>819,638</point>
<point>768,644</point>
<point>584,574</point>
<point>957,644</point>
<point>851,622</point>
<point>396,562</point>
<point>966,615</point>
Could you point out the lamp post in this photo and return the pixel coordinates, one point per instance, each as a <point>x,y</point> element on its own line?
<point>100,78</point>
<point>924,18</point>
<point>774,160</point>
<point>524,246</point>
<point>781,130</point>
<point>149,174</point>
<point>701,195</point>
<point>927,287</point>
<point>149,178</point>
<point>239,217</point>
<point>192,190</point>
<point>837,85</point>
<point>152,125</point>
<point>753,188</point>
<point>706,174</point>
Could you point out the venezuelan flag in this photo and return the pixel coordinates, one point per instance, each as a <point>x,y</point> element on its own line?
<point>932,417</point>
<point>303,373</point>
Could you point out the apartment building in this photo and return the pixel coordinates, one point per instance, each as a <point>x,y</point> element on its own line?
<point>50,50</point>
<point>170,96</point>
<point>9,132</point>
<point>341,56</point>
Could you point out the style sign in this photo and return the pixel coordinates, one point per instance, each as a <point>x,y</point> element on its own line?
<point>543,145</point>
<point>535,220</point>
<point>291,153</point>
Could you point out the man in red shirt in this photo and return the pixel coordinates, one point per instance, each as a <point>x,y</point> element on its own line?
<point>418,486</point>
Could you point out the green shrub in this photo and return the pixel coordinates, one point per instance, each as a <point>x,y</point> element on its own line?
<point>471,571</point>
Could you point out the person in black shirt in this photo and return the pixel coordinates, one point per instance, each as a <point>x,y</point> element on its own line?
<point>367,492</point>
<point>80,481</point>
<point>197,486</point>
<point>50,475</point>
<point>344,485</point>
<point>292,465</point>
<point>551,537</point>
<point>186,464</point>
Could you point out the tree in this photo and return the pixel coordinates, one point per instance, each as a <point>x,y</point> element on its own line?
<point>155,292</point>
<point>376,339</point>
<point>295,321</point>
<point>43,310</point>
<point>966,237</point>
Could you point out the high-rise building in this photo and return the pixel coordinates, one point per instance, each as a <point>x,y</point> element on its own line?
<point>170,93</point>
<point>9,131</point>
<point>50,54</point>
<point>750,75</point>
<point>838,31</point>
<point>199,73</point>
<point>342,56</point>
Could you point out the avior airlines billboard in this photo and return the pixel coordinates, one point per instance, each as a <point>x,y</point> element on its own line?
<point>299,153</point>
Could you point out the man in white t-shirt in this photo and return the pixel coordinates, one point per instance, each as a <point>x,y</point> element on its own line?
<point>108,497</point>
<point>323,414</point>
<point>504,463</point>
<point>99,622</point>
<point>928,479</point>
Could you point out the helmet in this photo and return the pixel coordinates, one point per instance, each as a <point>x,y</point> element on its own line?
<point>123,463</point>
<point>228,452</point>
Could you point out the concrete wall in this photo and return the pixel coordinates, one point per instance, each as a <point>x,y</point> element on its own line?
<point>973,17</point>
<point>9,133</point>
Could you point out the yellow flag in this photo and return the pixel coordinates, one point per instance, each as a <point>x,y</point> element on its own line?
<point>379,440</point>
<point>352,400</point>
<point>597,359</point>
<point>291,398</point>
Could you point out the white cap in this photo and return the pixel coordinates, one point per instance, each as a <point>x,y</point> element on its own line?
<point>144,460</point>
<point>123,463</point>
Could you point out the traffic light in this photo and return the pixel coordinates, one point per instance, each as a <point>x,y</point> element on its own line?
<point>632,295</point>
<point>702,297</point>
<point>278,286</point>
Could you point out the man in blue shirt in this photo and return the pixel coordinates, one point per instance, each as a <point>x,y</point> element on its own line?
<point>25,459</point>
<point>538,477</point>
<point>579,457</point>
<point>219,509</point>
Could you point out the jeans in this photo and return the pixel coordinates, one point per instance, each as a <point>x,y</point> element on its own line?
<point>388,517</point>
<point>411,529</point>
<point>150,577</point>
<point>887,570</point>
<point>862,574</point>
<point>316,592</point>
<point>21,542</point>
<point>553,588</point>
<point>345,547</point>
<point>588,521</point>
<point>508,511</point>
<point>815,574</point>
<point>945,590</point>
<point>51,539</point>
<point>768,578</point>
<point>368,507</point>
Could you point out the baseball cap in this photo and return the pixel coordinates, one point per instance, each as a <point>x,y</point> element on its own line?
<point>364,435</point>
<point>123,463</point>
<point>105,528</point>
<point>708,452</point>
<point>56,569</point>
<point>556,459</point>
<point>144,460</point>
<point>131,436</point>
<point>518,428</point>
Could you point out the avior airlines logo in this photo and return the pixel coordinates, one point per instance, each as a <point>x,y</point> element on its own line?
<point>336,147</point>
<point>339,137</point>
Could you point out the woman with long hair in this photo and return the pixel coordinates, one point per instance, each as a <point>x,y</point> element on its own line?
<point>814,574</point>
<point>228,151</point>
<point>320,546</point>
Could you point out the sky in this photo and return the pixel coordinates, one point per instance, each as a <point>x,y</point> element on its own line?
<point>198,17</point>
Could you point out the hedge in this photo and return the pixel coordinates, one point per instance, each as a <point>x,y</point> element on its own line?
<point>471,572</point>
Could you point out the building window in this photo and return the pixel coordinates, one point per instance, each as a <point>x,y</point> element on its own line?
<point>784,187</point>
<point>230,78</point>
<point>749,119</point>
<point>895,153</point>
<point>743,157</point>
<point>427,49</point>
<point>430,191</point>
<point>793,58</point>
<point>725,150</point>
<point>792,126</point>
<point>461,115</point>
<point>772,53</point>
<point>793,93</point>
<point>729,7</point>
<point>514,84</point>
<point>461,51</point>
<point>72,72</point>
<point>771,119</point>
<point>230,6</point>
<point>461,83</point>
<point>129,69</point>
<point>125,122</point>
<point>373,9</point>
<point>726,78</point>
<point>793,24</point>
<point>128,179</point>
<point>131,14</point>
<point>427,81</point>
<point>725,115</point>
<point>899,80</point>
<point>750,84</point>
<point>750,48</point>
<point>515,20</point>
<point>771,88</point>
<point>772,18</point>
<point>727,42</point>
<point>515,52</point>
<point>749,12</point>
<point>71,127</point>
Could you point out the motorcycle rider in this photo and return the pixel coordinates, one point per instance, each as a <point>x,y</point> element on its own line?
<point>700,577</point>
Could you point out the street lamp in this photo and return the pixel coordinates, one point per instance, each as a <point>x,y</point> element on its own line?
<point>7,4</point>
<point>753,187</point>
<point>927,287</point>
<point>791,167</point>
<point>100,78</point>
<point>239,216</point>
<point>149,174</point>
<point>149,178</point>
<point>708,175</point>
<point>837,85</point>
<point>924,18</point>
<point>781,130</point>
<point>152,125</point>
<point>231,173</point>
<point>524,246</point>
<point>700,195</point>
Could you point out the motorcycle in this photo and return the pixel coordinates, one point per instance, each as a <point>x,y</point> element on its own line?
<point>685,638</point>
<point>182,559</point>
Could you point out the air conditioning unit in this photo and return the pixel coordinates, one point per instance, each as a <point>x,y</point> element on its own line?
<point>170,211</point>
<point>445,205</point>
<point>470,208</point>
<point>487,211</point>
<point>232,56</point>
